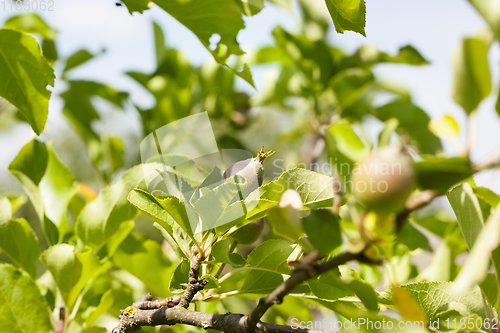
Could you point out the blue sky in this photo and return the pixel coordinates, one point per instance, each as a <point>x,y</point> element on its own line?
<point>433,27</point>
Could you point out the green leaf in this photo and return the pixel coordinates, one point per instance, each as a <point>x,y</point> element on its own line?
<point>472,81</point>
<point>136,5</point>
<point>468,211</point>
<point>78,107</point>
<point>220,251</point>
<point>362,289</point>
<point>348,15</point>
<point>145,259</point>
<point>476,267</point>
<point>180,276</point>
<point>413,121</point>
<point>311,57</point>
<point>384,137</point>
<point>350,84</point>
<point>105,304</point>
<point>487,195</point>
<point>177,210</point>
<point>413,238</point>
<point>440,173</point>
<point>19,242</point>
<point>30,23</point>
<point>100,218</point>
<point>271,255</point>
<point>250,7</point>
<point>49,50</point>
<point>206,18</point>
<point>30,162</point>
<point>445,127</point>
<point>57,187</point>
<point>5,210</point>
<point>407,306</point>
<point>344,147</point>
<point>438,223</point>
<point>71,270</point>
<point>450,320</point>
<point>170,240</point>
<point>323,230</point>
<point>328,286</point>
<point>214,201</point>
<point>117,238</point>
<point>285,222</point>
<point>22,306</point>
<point>435,297</point>
<point>78,58</point>
<point>368,55</point>
<point>497,105</point>
<point>150,206</point>
<point>212,281</point>
<point>25,77</point>
<point>442,267</point>
<point>48,183</point>
<point>315,190</point>
<point>490,10</point>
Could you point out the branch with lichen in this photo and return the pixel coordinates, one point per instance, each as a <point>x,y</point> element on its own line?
<point>132,318</point>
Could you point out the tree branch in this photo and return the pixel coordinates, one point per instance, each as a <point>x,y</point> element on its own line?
<point>194,285</point>
<point>298,276</point>
<point>133,319</point>
<point>416,202</point>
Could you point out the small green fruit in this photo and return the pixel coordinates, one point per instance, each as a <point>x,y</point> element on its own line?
<point>253,172</point>
<point>384,180</point>
<point>251,169</point>
<point>249,233</point>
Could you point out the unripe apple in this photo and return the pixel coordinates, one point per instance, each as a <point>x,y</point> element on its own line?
<point>253,172</point>
<point>251,169</point>
<point>384,180</point>
<point>249,233</point>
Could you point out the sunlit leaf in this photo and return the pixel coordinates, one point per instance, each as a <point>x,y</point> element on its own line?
<point>270,255</point>
<point>433,297</point>
<point>439,173</point>
<point>100,218</point>
<point>344,147</point>
<point>22,306</point>
<point>413,121</point>
<point>348,15</point>
<point>472,81</point>
<point>445,127</point>
<point>78,58</point>
<point>71,270</point>
<point>138,256</point>
<point>25,77</point>
<point>476,266</point>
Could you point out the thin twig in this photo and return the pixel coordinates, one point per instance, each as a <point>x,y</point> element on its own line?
<point>298,276</point>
